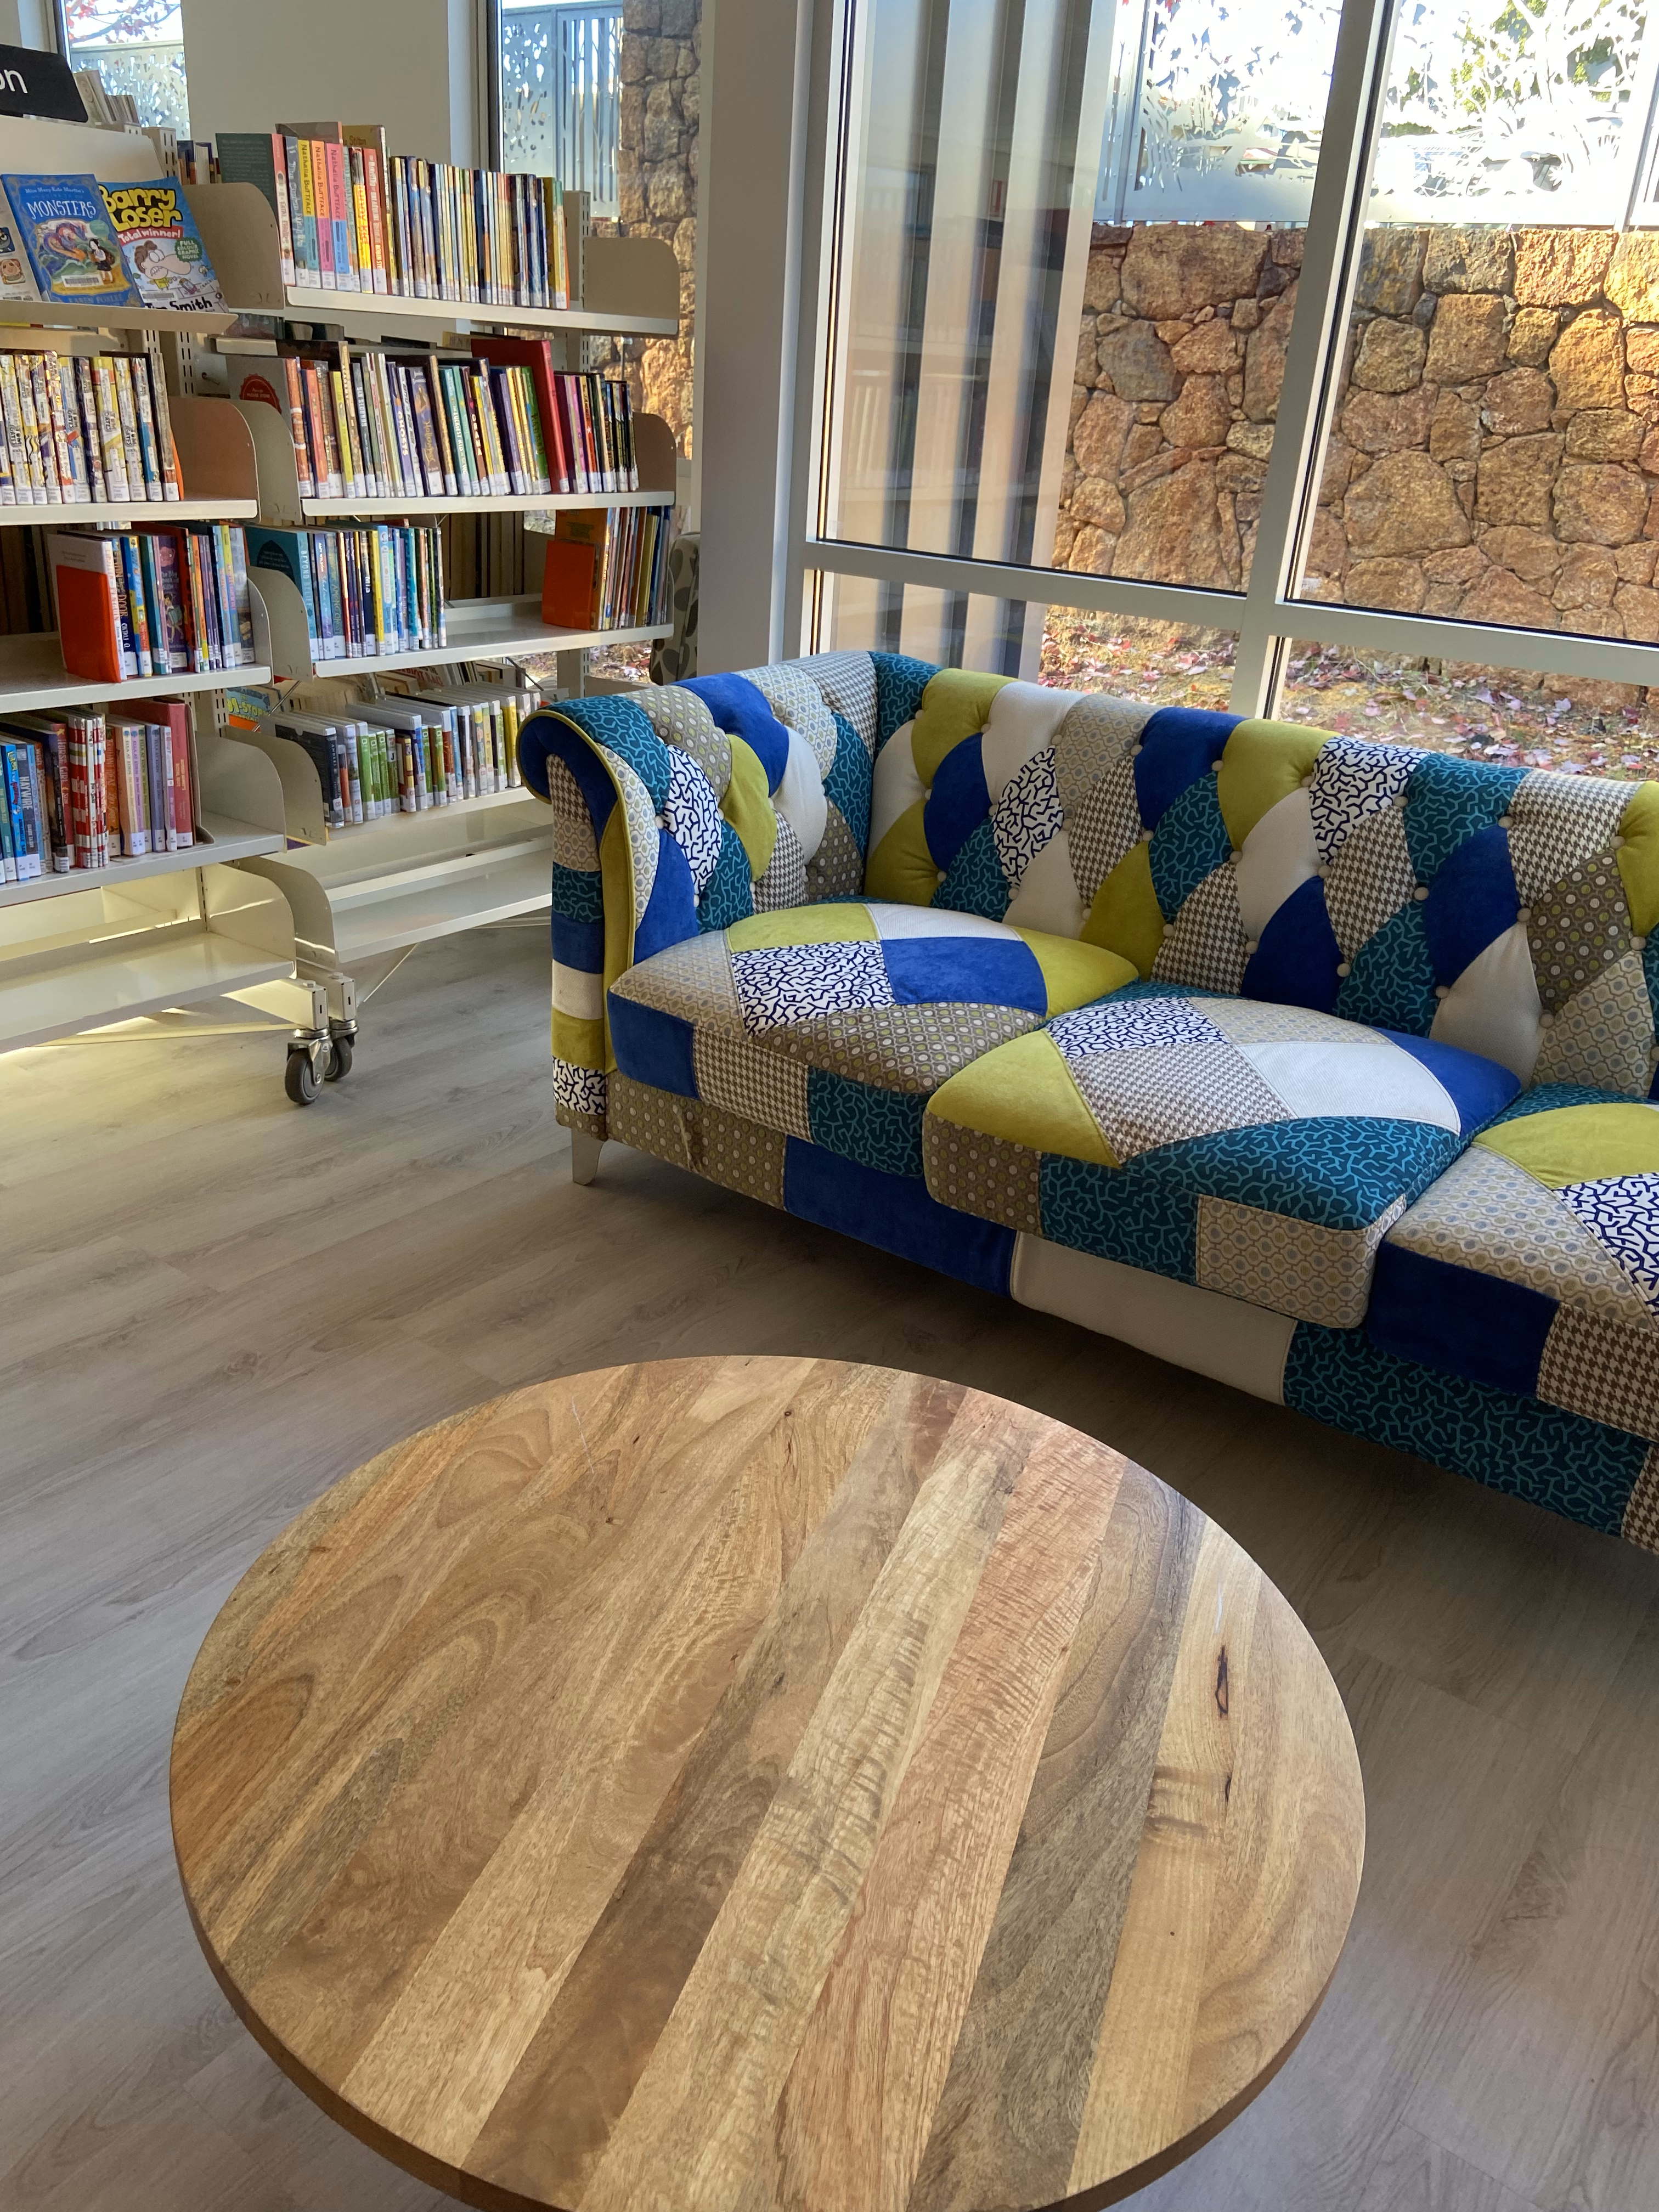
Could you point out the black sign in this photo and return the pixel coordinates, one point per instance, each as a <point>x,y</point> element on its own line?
<point>38,84</point>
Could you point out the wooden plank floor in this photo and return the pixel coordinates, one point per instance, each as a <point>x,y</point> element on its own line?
<point>211,1304</point>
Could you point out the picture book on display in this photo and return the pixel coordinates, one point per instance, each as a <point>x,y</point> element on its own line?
<point>16,279</point>
<point>75,255</point>
<point>160,246</point>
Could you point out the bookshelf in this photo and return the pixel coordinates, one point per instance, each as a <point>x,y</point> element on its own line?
<point>270,907</point>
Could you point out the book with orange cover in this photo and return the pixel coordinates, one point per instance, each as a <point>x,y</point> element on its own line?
<point>570,583</point>
<point>89,606</point>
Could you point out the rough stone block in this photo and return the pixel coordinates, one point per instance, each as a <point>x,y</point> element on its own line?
<point>1099,437</point>
<point>1637,609</point>
<point>1455,431</point>
<point>1469,337</point>
<point>1397,585</point>
<point>1176,531</point>
<point>1604,434</point>
<point>1208,350</point>
<point>1516,478</point>
<point>1469,258</point>
<point>1632,278</point>
<point>1405,504</point>
<point>1389,422</point>
<point>1136,362</point>
<point>1598,503</point>
<point>1587,362</point>
<point>1264,359</point>
<point>1519,400</point>
<point>1498,597</point>
<point>1095,501</point>
<point>1635,562</point>
<point>1201,416</point>
<point>1560,267</point>
<point>1531,333</point>
<point>1171,268</point>
<point>1390,356</point>
<point>1532,554</point>
<point>1100,285</point>
<point>1091,553</point>
<point>1589,578</point>
<point>1391,268</point>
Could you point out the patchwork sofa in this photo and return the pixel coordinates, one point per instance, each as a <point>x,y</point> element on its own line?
<point>1317,1065</point>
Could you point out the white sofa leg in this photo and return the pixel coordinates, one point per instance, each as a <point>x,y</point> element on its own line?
<point>585,1151</point>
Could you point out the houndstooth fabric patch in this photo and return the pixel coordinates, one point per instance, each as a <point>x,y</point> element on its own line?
<point>1354,778</point>
<point>1624,1212</point>
<point>1606,1373</point>
<point>692,979</point>
<point>798,702</point>
<point>692,817</point>
<point>777,985</point>
<point>1576,928</point>
<point>1141,1100</point>
<point>784,883</point>
<point>846,681</point>
<point>1641,1521</point>
<point>1598,1037</point>
<point>1102,826</point>
<point>1096,735</point>
<point>913,1048</point>
<point>741,1077</point>
<point>1026,816</point>
<point>1204,945</point>
<point>1125,1024</point>
<point>573,843</point>
<point>681,719</point>
<point>1557,823</point>
<point>1296,1268</point>
<point>1370,879</point>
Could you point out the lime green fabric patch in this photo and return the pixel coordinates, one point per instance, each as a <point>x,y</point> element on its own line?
<point>581,1043</point>
<point>1262,763</point>
<point>1639,858</point>
<point>748,807</point>
<point>1580,1143</point>
<point>1076,973</point>
<point>1126,917</point>
<point>902,867</point>
<point>1024,1092</point>
<point>802,925</point>
<point>953,707</point>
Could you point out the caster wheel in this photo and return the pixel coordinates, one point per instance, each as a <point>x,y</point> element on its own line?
<point>339,1059</point>
<point>300,1077</point>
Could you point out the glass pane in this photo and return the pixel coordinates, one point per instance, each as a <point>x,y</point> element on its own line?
<point>560,93</point>
<point>1483,714</point>
<point>1008,383</point>
<point>137,48</point>
<point>1178,665</point>
<point>1493,455</point>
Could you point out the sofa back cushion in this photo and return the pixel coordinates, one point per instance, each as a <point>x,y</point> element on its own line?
<point>1505,911</point>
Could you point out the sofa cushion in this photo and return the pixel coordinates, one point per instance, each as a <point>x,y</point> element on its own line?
<point>835,1022</point>
<point>1256,1150</point>
<point>1533,1264</point>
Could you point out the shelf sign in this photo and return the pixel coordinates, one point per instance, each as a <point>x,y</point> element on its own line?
<point>33,83</point>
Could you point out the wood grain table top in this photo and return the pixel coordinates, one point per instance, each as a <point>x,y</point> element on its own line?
<point>717,1784</point>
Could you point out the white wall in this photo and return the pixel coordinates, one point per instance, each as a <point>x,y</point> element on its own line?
<point>28,23</point>
<point>412,64</point>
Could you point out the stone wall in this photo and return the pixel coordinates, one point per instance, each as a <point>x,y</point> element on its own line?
<point>656,182</point>
<point>1496,452</point>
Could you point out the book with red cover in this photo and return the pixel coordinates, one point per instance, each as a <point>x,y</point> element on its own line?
<point>570,585</point>
<point>536,356</point>
<point>89,610</point>
<point>175,715</point>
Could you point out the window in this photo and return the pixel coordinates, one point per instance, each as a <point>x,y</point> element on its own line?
<point>137,47</point>
<point>1330,329</point>
<point>559,71</point>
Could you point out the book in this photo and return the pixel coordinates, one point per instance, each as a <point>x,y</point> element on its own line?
<point>16,276</point>
<point>260,158</point>
<point>85,573</point>
<point>160,246</point>
<point>72,252</point>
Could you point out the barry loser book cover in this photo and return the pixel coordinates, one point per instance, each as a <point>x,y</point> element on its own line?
<point>66,234</point>
<point>161,247</point>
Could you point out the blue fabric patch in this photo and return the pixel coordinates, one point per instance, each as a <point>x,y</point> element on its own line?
<point>972,971</point>
<point>1191,841</point>
<point>958,801</point>
<point>1118,1215</point>
<point>622,728</point>
<point>896,1214</point>
<point>579,944</point>
<point>729,894</point>
<point>1458,1321</point>
<point>741,710</point>
<point>1339,1170</point>
<point>670,912</point>
<point>545,738</point>
<point>975,882</point>
<point>1478,1087</point>
<point>1392,983</point>
<point>1448,800</point>
<point>1297,956</point>
<point>1574,1466</point>
<point>1178,745</point>
<point>847,784</point>
<point>1472,900</point>
<point>900,683</point>
<point>879,1128</point>
<point>651,1046</point>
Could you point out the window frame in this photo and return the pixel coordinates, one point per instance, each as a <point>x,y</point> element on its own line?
<point>1265,616</point>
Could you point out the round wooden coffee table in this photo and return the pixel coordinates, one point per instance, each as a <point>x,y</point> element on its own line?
<point>723,1784</point>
